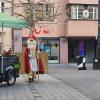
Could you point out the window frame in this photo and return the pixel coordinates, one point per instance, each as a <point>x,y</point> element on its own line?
<point>44,14</point>
<point>94,14</point>
<point>2,6</point>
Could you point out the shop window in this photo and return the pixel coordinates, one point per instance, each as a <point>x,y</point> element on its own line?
<point>51,46</point>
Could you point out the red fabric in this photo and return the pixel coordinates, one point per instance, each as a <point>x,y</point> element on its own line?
<point>27,64</point>
<point>41,67</point>
<point>33,37</point>
<point>36,48</point>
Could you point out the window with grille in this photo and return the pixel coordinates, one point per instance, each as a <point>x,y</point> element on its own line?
<point>40,11</point>
<point>89,12</point>
<point>45,12</point>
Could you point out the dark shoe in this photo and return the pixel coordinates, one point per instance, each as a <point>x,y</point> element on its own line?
<point>30,80</point>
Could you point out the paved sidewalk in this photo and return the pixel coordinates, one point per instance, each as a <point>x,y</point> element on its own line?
<point>72,66</point>
<point>19,91</point>
<point>87,82</point>
<point>47,88</point>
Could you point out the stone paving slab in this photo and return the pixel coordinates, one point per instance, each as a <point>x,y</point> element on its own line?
<point>50,88</point>
<point>47,88</point>
<point>87,82</point>
<point>19,91</point>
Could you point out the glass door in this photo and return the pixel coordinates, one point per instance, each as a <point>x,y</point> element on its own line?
<point>73,50</point>
<point>47,48</point>
<point>51,46</point>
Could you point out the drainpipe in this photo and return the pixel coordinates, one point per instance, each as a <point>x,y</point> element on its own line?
<point>98,37</point>
<point>12,31</point>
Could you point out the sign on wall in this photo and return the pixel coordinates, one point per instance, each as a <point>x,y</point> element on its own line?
<point>17,41</point>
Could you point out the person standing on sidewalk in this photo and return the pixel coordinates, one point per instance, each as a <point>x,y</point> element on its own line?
<point>31,52</point>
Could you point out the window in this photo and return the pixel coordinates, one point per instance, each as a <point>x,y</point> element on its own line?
<point>80,12</point>
<point>90,9</point>
<point>74,12</point>
<point>49,12</point>
<point>1,6</point>
<point>89,12</point>
<point>45,12</point>
<point>51,46</point>
<point>40,11</point>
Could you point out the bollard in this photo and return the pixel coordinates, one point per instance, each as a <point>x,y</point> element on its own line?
<point>81,63</point>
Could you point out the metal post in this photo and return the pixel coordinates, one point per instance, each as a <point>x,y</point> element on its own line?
<point>12,31</point>
<point>2,52</point>
<point>98,37</point>
<point>38,61</point>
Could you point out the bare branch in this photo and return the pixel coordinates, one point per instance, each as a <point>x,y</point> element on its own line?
<point>29,11</point>
<point>20,1</point>
<point>58,8</point>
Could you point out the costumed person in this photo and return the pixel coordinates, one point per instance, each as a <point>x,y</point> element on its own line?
<point>31,57</point>
<point>27,64</point>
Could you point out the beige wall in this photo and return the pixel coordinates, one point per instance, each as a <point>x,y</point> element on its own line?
<point>55,30</point>
<point>57,27</point>
<point>82,28</point>
<point>7,38</point>
<point>63,51</point>
<point>83,1</point>
<point>69,28</point>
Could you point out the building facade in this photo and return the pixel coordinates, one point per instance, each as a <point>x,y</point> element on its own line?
<point>68,29</point>
<point>82,29</point>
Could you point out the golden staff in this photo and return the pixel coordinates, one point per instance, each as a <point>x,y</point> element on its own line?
<point>38,41</point>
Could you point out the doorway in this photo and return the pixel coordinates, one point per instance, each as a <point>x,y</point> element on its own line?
<point>81,47</point>
<point>73,50</point>
<point>51,46</point>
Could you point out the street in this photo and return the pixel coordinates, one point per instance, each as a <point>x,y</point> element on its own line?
<point>86,82</point>
<point>63,82</point>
